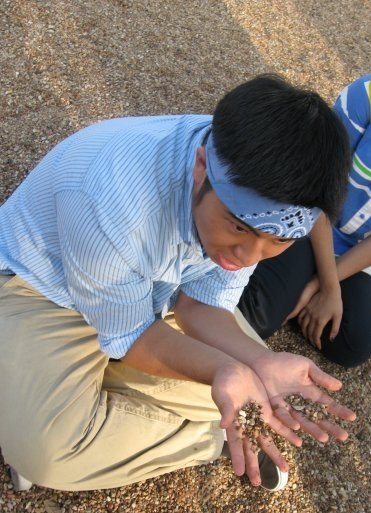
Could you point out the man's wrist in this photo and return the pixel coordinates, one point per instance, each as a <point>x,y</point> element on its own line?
<point>232,370</point>
<point>259,354</point>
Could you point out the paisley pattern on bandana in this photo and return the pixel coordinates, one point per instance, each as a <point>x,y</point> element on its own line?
<point>290,222</point>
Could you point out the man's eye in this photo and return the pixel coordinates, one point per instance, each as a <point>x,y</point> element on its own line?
<point>283,241</point>
<point>239,228</point>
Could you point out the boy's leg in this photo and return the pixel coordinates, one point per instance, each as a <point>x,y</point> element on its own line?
<point>61,429</point>
<point>352,345</point>
<point>275,287</point>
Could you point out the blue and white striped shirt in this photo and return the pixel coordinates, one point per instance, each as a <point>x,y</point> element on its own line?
<point>104,225</point>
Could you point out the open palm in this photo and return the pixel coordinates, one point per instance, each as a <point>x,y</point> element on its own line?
<point>284,374</point>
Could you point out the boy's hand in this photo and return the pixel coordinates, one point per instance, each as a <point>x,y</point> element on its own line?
<point>324,307</point>
<point>309,290</point>
<point>245,457</point>
<point>284,374</point>
<point>315,308</point>
<point>233,386</point>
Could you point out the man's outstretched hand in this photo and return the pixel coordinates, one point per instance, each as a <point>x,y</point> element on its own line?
<point>272,379</point>
<point>284,374</point>
<point>233,386</point>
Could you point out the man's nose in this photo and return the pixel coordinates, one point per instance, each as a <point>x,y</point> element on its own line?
<point>251,252</point>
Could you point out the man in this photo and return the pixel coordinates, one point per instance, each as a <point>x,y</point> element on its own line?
<point>125,220</point>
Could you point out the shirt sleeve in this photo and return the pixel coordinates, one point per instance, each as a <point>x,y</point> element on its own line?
<point>113,298</point>
<point>353,108</point>
<point>219,288</point>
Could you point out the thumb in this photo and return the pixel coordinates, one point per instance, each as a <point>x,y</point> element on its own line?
<point>294,313</point>
<point>335,327</point>
<point>321,378</point>
<point>228,414</point>
<point>290,316</point>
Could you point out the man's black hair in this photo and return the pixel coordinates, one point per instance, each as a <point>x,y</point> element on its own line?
<point>284,142</point>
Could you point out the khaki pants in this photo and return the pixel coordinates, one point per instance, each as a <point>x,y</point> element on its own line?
<point>72,420</point>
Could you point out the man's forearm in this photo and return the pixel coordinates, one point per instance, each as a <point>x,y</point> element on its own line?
<point>217,328</point>
<point>163,351</point>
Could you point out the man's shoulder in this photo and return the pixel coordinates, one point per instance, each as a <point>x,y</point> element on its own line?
<point>166,123</point>
<point>139,134</point>
<point>143,150</point>
<point>144,170</point>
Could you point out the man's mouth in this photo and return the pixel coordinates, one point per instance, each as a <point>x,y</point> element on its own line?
<point>227,264</point>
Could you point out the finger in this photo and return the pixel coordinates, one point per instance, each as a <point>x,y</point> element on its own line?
<point>321,378</point>
<point>297,310</point>
<point>311,328</point>
<point>251,463</point>
<point>271,450</point>
<point>334,408</point>
<point>235,445</point>
<point>333,429</point>
<point>304,321</point>
<point>284,431</point>
<point>300,315</point>
<point>335,326</point>
<point>293,314</point>
<point>310,427</point>
<point>227,414</point>
<point>283,413</point>
<point>317,333</point>
<point>337,409</point>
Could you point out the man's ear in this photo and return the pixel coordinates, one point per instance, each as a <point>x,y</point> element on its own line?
<point>199,170</point>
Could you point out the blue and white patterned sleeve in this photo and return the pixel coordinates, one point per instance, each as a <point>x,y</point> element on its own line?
<point>111,296</point>
<point>219,288</point>
<point>353,107</point>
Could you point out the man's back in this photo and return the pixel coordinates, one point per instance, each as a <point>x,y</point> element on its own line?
<point>116,174</point>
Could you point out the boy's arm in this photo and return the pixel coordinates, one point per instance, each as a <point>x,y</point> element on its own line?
<point>323,248</point>
<point>320,301</point>
<point>354,260</point>
<point>165,352</point>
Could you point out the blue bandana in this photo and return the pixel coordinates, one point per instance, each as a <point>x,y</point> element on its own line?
<point>264,214</point>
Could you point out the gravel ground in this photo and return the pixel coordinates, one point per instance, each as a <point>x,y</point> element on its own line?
<point>68,63</point>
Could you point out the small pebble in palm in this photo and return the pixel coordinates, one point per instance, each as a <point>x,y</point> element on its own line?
<point>313,411</point>
<point>251,424</point>
<point>249,420</point>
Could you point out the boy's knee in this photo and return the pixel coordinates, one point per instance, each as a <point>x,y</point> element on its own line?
<point>349,349</point>
<point>348,361</point>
